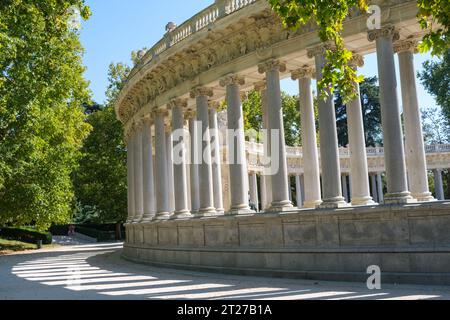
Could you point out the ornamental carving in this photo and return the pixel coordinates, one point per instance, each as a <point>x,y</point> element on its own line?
<point>304,72</point>
<point>388,31</point>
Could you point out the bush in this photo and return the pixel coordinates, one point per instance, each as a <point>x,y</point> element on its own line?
<point>97,234</point>
<point>27,235</point>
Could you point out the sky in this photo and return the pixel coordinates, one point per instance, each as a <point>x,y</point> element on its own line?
<point>117,27</point>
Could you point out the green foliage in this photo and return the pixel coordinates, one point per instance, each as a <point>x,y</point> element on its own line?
<point>28,235</point>
<point>42,125</point>
<point>101,179</point>
<point>329,17</point>
<point>434,15</point>
<point>436,128</point>
<point>291,115</point>
<point>371,109</point>
<point>436,79</point>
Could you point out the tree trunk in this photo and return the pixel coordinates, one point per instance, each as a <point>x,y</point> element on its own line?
<point>118,231</point>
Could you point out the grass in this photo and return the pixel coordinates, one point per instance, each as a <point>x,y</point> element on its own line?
<point>11,246</point>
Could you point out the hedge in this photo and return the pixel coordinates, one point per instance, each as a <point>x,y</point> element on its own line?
<point>27,235</point>
<point>105,232</point>
<point>97,234</point>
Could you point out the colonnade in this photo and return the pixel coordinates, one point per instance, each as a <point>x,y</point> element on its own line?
<point>161,189</point>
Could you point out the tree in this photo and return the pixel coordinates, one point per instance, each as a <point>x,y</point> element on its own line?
<point>436,128</point>
<point>42,124</point>
<point>101,179</point>
<point>291,115</point>
<point>436,79</point>
<point>330,16</point>
<point>371,109</point>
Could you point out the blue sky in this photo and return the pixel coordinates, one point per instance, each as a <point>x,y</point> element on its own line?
<point>118,27</point>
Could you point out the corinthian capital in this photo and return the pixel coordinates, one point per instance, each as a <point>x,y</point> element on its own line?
<point>202,91</point>
<point>177,103</point>
<point>385,32</point>
<point>272,64</point>
<point>357,61</point>
<point>260,86</point>
<point>303,72</point>
<point>320,49</point>
<point>214,105</point>
<point>232,79</point>
<point>406,45</point>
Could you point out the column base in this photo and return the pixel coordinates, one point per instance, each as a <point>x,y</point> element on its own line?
<point>312,204</point>
<point>184,214</point>
<point>148,218</point>
<point>242,211</point>
<point>399,198</point>
<point>206,212</point>
<point>162,216</point>
<point>282,206</point>
<point>220,212</point>
<point>334,203</point>
<point>135,221</point>
<point>365,201</point>
<point>424,197</point>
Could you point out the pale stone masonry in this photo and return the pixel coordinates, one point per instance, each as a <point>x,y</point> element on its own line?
<point>355,206</point>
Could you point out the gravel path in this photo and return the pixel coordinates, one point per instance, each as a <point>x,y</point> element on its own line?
<point>96,272</point>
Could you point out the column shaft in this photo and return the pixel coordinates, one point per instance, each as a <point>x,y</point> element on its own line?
<point>439,185</point>
<point>329,151</point>
<point>298,191</point>
<point>179,166</point>
<point>195,190</point>
<point>149,186</point>
<point>139,177</point>
<point>130,173</point>
<point>205,168</point>
<point>373,179</point>
<point>170,176</point>
<point>253,182</point>
<point>414,142</point>
<point>236,147</point>
<point>267,178</point>
<point>162,183</point>
<point>394,149</point>
<point>380,188</point>
<point>216,159</point>
<point>309,144</point>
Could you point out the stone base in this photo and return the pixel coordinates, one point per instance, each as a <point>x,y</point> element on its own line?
<point>411,244</point>
<point>162,216</point>
<point>424,197</point>
<point>335,203</point>
<point>399,198</point>
<point>312,204</point>
<point>368,201</point>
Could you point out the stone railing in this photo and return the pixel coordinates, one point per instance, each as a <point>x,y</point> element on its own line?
<point>297,152</point>
<point>201,20</point>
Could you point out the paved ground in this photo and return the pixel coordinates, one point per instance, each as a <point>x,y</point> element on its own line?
<point>96,271</point>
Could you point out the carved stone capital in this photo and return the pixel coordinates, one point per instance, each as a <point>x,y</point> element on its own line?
<point>190,114</point>
<point>160,112</point>
<point>232,79</point>
<point>244,95</point>
<point>304,72</point>
<point>201,91</point>
<point>320,49</point>
<point>179,102</point>
<point>357,61</point>
<point>214,105</point>
<point>386,32</point>
<point>272,64</point>
<point>406,45</point>
<point>260,86</point>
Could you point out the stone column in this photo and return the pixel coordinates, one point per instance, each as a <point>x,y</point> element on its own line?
<point>373,179</point>
<point>329,151</point>
<point>138,175</point>
<point>216,157</point>
<point>261,87</point>
<point>170,177</point>
<point>236,146</point>
<point>253,183</point>
<point>414,142</point>
<point>194,182</point>
<point>204,169</point>
<point>130,175</point>
<point>357,145</point>
<point>380,188</point>
<point>280,192</point>
<point>298,191</point>
<point>263,188</point>
<point>345,187</point>
<point>309,138</point>
<point>149,186</point>
<point>162,183</point>
<point>179,164</point>
<point>394,149</point>
<point>438,184</point>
